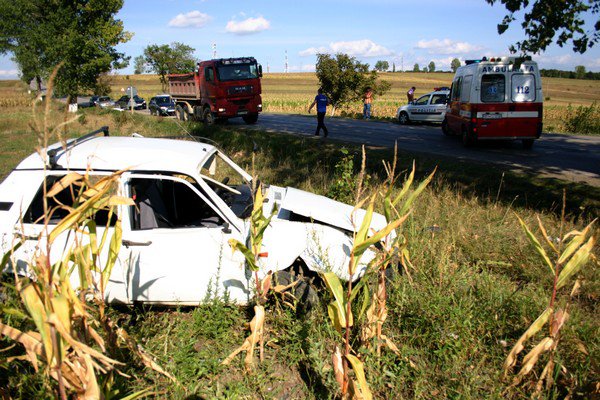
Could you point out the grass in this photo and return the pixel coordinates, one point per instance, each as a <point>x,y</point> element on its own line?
<point>477,283</point>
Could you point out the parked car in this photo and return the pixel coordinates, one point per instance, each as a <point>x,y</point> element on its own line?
<point>189,199</point>
<point>94,101</point>
<point>105,102</point>
<point>125,102</point>
<point>162,105</point>
<point>427,108</point>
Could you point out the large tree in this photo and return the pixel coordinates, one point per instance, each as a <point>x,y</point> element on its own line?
<point>139,65</point>
<point>176,58</point>
<point>344,79</point>
<point>455,64</point>
<point>79,35</point>
<point>431,67</point>
<point>416,68</point>
<point>544,19</point>
<point>382,65</point>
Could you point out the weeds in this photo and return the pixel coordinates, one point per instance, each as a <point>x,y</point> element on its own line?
<point>583,119</point>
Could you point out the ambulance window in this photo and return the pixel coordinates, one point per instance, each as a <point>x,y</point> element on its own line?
<point>456,89</point>
<point>492,88</point>
<point>465,93</point>
<point>523,88</point>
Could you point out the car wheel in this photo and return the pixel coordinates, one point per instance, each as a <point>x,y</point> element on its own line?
<point>527,144</point>
<point>446,128</point>
<point>403,118</point>
<point>304,295</point>
<point>250,118</point>
<point>208,117</point>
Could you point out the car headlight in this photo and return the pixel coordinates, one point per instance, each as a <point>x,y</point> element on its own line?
<point>221,110</point>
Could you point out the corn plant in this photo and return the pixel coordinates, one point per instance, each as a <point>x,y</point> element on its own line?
<point>252,252</point>
<point>393,250</point>
<point>573,252</point>
<point>340,309</point>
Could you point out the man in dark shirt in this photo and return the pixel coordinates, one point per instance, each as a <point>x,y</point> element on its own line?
<point>321,101</point>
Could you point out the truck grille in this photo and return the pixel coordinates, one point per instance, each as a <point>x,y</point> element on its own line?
<point>240,89</point>
<point>242,102</point>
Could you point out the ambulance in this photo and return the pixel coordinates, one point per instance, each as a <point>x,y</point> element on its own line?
<point>496,98</point>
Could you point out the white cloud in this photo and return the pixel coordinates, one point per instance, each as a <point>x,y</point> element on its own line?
<point>447,46</point>
<point>9,73</point>
<point>358,48</point>
<point>248,26</point>
<point>193,19</point>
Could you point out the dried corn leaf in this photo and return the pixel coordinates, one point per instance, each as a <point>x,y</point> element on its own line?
<point>338,366</point>
<point>532,330</point>
<point>64,183</point>
<point>536,244</point>
<point>532,357</point>
<point>359,373</point>
<point>580,258</point>
<point>256,332</point>
<point>558,320</point>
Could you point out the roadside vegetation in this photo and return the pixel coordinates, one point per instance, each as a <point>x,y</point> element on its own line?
<point>473,285</point>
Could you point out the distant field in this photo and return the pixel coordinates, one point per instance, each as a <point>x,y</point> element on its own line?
<point>293,93</point>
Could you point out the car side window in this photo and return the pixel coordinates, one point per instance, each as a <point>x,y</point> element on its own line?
<point>169,203</point>
<point>423,100</point>
<point>60,205</point>
<point>438,99</point>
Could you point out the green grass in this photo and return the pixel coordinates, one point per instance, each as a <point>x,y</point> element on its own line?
<point>477,284</point>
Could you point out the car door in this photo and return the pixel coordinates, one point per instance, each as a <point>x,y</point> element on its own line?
<point>178,244</point>
<point>32,226</point>
<point>437,107</point>
<point>418,110</point>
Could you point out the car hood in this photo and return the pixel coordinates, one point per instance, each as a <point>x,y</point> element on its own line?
<point>321,209</point>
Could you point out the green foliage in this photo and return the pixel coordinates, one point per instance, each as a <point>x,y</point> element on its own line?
<point>344,184</point>
<point>455,64</point>
<point>176,58</point>
<point>416,68</point>
<point>580,72</point>
<point>382,66</point>
<point>139,65</point>
<point>583,119</point>
<point>80,35</point>
<point>544,19</point>
<point>431,67</point>
<point>344,79</point>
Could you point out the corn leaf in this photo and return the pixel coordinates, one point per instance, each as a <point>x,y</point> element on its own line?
<point>359,372</point>
<point>338,366</point>
<point>36,310</point>
<point>64,183</point>
<point>416,193</point>
<point>361,247</point>
<point>579,259</point>
<point>236,245</point>
<point>532,330</point>
<point>574,244</point>
<point>337,308</point>
<point>363,231</point>
<point>532,357</point>
<point>113,254</point>
<point>536,244</point>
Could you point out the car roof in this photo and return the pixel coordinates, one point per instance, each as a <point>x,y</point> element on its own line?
<point>113,153</point>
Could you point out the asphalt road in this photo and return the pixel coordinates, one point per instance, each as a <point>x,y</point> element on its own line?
<point>568,157</point>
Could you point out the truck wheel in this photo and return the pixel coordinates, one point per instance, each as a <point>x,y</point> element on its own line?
<point>467,140</point>
<point>303,292</point>
<point>181,113</point>
<point>527,144</point>
<point>208,117</point>
<point>250,118</point>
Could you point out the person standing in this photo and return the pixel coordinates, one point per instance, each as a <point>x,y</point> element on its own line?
<point>321,101</point>
<point>411,94</point>
<point>368,99</point>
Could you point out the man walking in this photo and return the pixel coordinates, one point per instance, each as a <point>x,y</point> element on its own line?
<point>321,101</point>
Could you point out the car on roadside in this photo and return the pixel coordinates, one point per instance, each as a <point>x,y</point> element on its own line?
<point>105,102</point>
<point>188,201</point>
<point>162,104</point>
<point>430,107</point>
<point>126,102</point>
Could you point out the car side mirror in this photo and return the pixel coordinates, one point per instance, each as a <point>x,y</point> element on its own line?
<point>260,73</point>
<point>226,228</point>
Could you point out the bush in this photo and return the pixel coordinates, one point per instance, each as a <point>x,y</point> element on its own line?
<point>583,119</point>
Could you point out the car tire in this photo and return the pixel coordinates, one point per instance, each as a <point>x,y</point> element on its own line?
<point>527,144</point>
<point>446,128</point>
<point>304,293</point>
<point>250,119</point>
<point>208,117</point>
<point>403,118</point>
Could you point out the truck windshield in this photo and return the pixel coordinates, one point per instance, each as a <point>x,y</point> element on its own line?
<point>236,72</point>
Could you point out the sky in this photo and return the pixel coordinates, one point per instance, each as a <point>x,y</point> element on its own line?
<point>402,32</point>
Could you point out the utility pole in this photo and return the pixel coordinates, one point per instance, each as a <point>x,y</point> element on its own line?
<point>402,61</point>
<point>286,63</point>
<point>214,50</point>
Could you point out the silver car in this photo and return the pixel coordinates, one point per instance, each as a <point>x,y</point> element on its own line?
<point>427,108</point>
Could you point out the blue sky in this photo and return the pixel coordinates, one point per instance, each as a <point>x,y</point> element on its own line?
<point>403,32</point>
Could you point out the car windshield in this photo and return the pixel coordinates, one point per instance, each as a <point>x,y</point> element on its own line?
<point>163,100</point>
<point>229,183</point>
<point>237,72</point>
<point>104,99</point>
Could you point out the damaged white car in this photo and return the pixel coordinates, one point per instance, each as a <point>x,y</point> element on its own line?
<point>190,200</point>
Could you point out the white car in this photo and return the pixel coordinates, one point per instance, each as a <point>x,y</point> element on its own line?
<point>427,108</point>
<point>190,199</point>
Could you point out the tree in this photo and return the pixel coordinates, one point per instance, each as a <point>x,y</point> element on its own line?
<point>544,19</point>
<point>382,66</point>
<point>416,68</point>
<point>455,64</point>
<point>424,69</point>
<point>431,67</point>
<point>139,65</point>
<point>393,67</point>
<point>579,72</point>
<point>78,35</point>
<point>344,79</point>
<point>174,59</point>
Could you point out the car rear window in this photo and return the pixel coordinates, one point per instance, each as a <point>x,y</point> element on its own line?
<point>492,88</point>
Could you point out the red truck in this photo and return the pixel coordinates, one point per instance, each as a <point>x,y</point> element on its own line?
<point>220,89</point>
